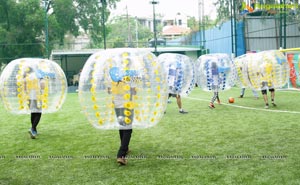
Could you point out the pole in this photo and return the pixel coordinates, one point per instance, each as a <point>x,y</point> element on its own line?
<point>103,3</point>
<point>280,25</point>
<point>290,50</point>
<point>234,24</point>
<point>154,26</point>
<point>136,32</point>
<point>129,37</point>
<point>231,24</point>
<point>200,34</point>
<point>203,23</point>
<point>46,29</point>
<point>284,25</point>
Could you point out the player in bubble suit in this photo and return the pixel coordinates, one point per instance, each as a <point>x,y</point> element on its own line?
<point>215,72</point>
<point>119,87</point>
<point>123,89</point>
<point>32,85</point>
<point>267,86</point>
<point>171,78</point>
<point>215,85</point>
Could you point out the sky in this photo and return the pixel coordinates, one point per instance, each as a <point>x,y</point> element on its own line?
<point>169,8</point>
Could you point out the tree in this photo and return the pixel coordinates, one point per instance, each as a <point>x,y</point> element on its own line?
<point>225,9</point>
<point>22,24</point>
<point>73,15</point>
<point>193,24</point>
<point>122,31</point>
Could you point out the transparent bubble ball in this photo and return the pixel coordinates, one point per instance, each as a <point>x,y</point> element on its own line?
<point>180,73</point>
<point>33,85</point>
<point>215,72</point>
<point>123,88</point>
<point>267,68</point>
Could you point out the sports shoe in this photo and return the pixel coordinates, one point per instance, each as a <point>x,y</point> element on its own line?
<point>241,96</point>
<point>267,106</point>
<point>183,111</point>
<point>219,102</point>
<point>211,105</point>
<point>32,133</point>
<point>274,104</point>
<point>122,161</point>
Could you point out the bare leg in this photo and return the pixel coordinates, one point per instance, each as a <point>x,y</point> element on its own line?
<point>178,98</point>
<point>272,97</point>
<point>265,96</point>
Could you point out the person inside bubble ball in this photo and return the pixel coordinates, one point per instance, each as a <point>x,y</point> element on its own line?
<point>123,89</point>
<point>172,74</point>
<point>267,85</point>
<point>178,100</point>
<point>243,93</point>
<point>33,87</point>
<point>215,85</point>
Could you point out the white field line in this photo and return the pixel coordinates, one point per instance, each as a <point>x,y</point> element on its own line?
<point>250,108</point>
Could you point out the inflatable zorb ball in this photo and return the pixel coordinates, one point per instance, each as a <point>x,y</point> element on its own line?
<point>33,85</point>
<point>266,68</point>
<point>180,72</point>
<point>215,72</point>
<point>241,65</point>
<point>123,89</point>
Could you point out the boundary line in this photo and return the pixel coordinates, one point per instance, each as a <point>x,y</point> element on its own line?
<point>250,108</point>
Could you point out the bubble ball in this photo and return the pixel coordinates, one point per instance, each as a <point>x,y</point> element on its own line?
<point>180,72</point>
<point>33,85</point>
<point>123,88</point>
<point>215,72</point>
<point>270,67</point>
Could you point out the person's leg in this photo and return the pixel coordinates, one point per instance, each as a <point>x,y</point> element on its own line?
<point>213,99</point>
<point>264,93</point>
<point>179,103</point>
<point>124,148</point>
<point>255,94</point>
<point>218,99</point>
<point>178,99</point>
<point>35,119</point>
<point>242,92</point>
<point>272,91</point>
<point>126,136</point>
<point>121,136</point>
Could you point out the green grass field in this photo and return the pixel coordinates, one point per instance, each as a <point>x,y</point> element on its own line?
<point>240,143</point>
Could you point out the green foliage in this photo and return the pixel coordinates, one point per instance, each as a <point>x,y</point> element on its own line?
<point>23,24</point>
<point>225,9</point>
<point>240,143</point>
<point>20,24</point>
<point>193,24</point>
<point>65,14</point>
<point>123,30</point>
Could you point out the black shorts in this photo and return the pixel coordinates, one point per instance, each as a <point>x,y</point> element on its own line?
<point>173,95</point>
<point>265,91</point>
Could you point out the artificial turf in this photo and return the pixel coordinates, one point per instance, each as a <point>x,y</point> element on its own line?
<point>239,143</point>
